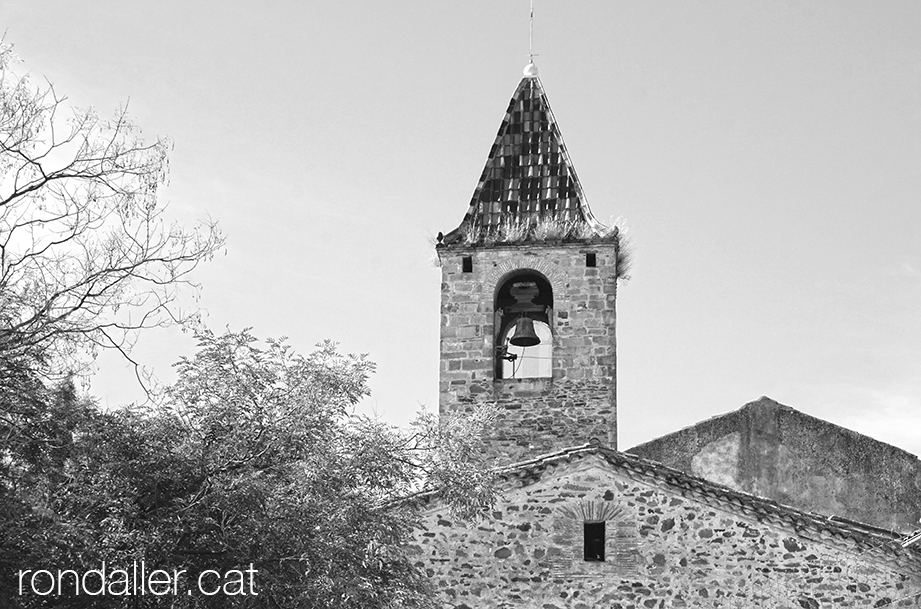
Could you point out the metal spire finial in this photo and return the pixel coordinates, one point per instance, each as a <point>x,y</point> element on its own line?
<point>531,36</point>
<point>530,70</point>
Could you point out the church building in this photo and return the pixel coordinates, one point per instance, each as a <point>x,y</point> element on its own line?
<point>764,507</point>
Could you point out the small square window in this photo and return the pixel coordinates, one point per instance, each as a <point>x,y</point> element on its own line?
<point>593,541</point>
<point>590,260</point>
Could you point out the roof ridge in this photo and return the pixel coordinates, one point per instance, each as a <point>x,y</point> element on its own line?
<point>872,540</point>
<point>752,405</point>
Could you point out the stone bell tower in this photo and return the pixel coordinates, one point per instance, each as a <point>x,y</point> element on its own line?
<point>529,281</point>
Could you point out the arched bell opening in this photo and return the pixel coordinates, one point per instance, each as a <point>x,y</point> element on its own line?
<point>524,336</point>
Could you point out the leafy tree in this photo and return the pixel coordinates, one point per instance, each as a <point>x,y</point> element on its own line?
<point>293,481</point>
<point>86,260</point>
<point>254,458</point>
<point>86,256</point>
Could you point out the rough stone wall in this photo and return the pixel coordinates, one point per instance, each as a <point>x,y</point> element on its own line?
<point>536,415</point>
<point>774,451</point>
<point>662,550</point>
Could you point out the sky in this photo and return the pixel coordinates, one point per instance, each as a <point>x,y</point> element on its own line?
<point>765,157</point>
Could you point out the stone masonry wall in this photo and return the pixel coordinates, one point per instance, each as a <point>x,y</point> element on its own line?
<point>774,451</point>
<point>663,550</point>
<point>536,415</point>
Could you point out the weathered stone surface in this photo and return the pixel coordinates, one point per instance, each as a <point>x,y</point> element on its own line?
<point>536,415</point>
<point>774,451</point>
<point>709,555</point>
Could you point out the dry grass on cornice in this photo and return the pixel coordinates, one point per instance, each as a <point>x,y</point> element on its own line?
<point>512,229</point>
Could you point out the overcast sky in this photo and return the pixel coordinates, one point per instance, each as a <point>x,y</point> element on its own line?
<point>766,157</point>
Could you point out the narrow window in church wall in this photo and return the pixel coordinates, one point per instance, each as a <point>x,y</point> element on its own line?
<point>593,541</point>
<point>467,264</point>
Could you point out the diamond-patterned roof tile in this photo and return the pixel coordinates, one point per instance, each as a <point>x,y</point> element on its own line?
<point>528,175</point>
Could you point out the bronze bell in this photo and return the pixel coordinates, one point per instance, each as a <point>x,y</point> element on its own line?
<point>524,333</point>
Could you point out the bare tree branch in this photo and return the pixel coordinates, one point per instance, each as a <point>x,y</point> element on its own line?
<point>87,257</point>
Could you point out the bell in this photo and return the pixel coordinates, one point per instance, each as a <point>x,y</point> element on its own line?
<point>524,333</point>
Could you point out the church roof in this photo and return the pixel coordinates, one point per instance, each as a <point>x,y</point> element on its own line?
<point>529,177</point>
<point>872,542</point>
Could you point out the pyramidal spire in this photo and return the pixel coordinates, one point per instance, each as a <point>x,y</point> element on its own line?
<point>528,178</point>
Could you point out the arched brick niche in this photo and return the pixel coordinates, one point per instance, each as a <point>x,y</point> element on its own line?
<point>622,551</point>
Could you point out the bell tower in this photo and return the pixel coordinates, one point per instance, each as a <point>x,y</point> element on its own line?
<point>529,282</point>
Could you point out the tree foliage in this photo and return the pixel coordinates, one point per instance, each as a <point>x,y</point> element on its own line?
<point>254,457</point>
<point>86,256</point>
